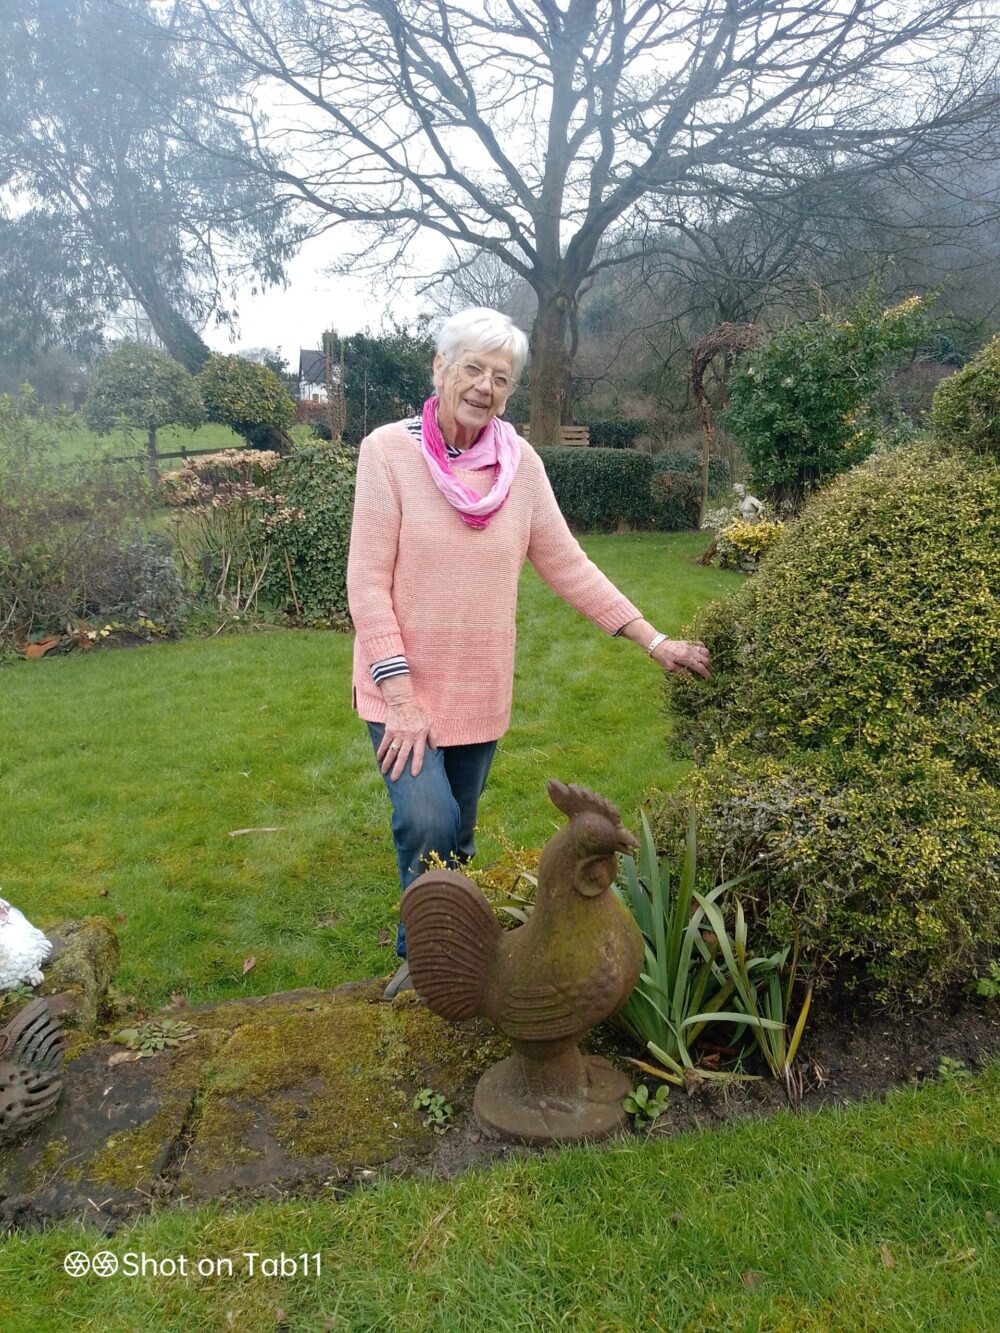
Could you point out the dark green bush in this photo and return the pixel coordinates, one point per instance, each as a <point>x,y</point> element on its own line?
<point>676,500</point>
<point>851,734</point>
<point>602,490</point>
<point>720,472</point>
<point>616,432</point>
<point>802,404</point>
<point>310,532</point>
<point>966,406</point>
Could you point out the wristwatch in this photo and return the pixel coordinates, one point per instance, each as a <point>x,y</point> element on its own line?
<point>654,643</point>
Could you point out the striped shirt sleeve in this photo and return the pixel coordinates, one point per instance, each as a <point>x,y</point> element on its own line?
<point>388,667</point>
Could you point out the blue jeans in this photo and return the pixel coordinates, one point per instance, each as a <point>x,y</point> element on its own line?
<point>435,811</point>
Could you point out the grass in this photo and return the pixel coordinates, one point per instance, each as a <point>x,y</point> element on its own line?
<point>123,773</point>
<point>77,441</point>
<point>881,1217</point>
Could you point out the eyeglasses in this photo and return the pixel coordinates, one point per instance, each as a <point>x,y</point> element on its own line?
<point>499,382</point>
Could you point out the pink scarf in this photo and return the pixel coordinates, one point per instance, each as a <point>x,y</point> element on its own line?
<point>497,447</point>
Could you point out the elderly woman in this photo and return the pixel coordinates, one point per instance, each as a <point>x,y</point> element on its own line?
<point>448,505</point>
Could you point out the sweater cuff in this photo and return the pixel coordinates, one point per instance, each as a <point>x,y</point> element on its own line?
<point>624,626</point>
<point>379,647</point>
<point>613,618</point>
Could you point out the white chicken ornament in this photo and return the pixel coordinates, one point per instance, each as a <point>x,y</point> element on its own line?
<point>22,949</point>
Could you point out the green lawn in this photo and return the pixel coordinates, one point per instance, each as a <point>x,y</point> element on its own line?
<point>123,773</point>
<point>79,442</point>
<point>126,771</point>
<point>882,1218</point>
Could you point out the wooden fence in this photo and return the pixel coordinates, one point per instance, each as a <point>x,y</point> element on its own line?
<point>571,435</point>
<point>181,453</point>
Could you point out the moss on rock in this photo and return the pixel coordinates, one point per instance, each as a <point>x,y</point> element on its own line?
<point>334,1078</point>
<point>82,968</point>
<point>137,1156</point>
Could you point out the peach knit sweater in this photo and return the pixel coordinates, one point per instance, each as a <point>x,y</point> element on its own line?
<point>423,583</point>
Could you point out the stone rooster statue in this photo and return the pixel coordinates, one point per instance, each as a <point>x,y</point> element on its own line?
<point>545,984</point>
<point>31,1053</point>
<point>22,949</point>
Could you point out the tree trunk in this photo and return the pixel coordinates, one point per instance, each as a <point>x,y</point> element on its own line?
<point>182,342</point>
<point>179,338</point>
<point>152,470</point>
<point>549,366</point>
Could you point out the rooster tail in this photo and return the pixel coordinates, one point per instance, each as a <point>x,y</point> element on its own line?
<point>451,942</point>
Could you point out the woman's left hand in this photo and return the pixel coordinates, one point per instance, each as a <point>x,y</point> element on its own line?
<point>681,656</point>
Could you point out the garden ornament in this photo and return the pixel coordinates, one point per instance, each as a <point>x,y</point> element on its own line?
<point>31,1053</point>
<point>570,966</point>
<point>22,949</point>
<point>751,509</point>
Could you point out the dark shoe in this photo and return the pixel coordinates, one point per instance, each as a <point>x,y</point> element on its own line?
<point>400,982</point>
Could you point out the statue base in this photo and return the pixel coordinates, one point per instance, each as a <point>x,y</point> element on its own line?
<point>505,1105</point>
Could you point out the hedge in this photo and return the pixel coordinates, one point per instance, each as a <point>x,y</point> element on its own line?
<point>603,490</point>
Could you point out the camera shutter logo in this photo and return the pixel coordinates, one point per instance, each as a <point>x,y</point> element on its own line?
<point>104,1263</point>
<point>76,1263</point>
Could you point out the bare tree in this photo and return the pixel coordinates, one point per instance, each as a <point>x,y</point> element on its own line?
<point>532,129</point>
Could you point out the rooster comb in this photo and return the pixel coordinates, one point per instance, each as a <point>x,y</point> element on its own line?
<point>574,800</point>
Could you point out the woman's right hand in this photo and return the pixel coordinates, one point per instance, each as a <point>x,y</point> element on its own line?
<point>407,731</point>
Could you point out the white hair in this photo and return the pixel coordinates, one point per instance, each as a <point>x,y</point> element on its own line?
<point>483,330</point>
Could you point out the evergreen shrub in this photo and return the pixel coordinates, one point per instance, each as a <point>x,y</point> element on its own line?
<point>850,736</point>
<point>720,472</point>
<point>616,432</point>
<point>310,533</point>
<point>247,397</point>
<point>802,404</point>
<point>603,490</point>
<point>966,406</point>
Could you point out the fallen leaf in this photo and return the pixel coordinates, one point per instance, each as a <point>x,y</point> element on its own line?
<point>384,938</point>
<point>992,1219</point>
<point>280,1316</point>
<point>40,648</point>
<point>888,1259</point>
<point>239,832</point>
<point>124,1057</point>
<point>752,1280</point>
<point>249,964</point>
<point>330,920</point>
<point>102,893</point>
<point>121,918</point>
<point>178,1000</point>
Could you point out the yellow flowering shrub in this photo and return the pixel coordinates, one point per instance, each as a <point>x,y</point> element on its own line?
<point>743,545</point>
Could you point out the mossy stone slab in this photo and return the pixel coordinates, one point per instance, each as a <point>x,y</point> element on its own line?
<point>271,1093</point>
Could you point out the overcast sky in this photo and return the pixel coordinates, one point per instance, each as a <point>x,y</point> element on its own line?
<point>295,316</point>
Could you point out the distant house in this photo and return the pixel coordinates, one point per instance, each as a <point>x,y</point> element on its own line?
<point>312,376</point>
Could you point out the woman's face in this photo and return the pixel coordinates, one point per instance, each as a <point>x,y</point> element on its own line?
<point>472,388</point>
